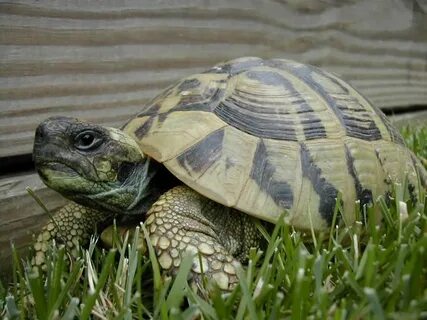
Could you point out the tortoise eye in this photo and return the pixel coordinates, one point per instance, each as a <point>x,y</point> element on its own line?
<point>87,140</point>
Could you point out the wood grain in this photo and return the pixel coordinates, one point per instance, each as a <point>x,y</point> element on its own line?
<point>102,61</point>
<point>412,119</point>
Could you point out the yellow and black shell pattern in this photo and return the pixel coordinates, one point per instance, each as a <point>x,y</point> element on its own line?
<point>268,136</point>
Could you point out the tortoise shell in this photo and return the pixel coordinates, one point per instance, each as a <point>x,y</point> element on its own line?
<point>268,136</point>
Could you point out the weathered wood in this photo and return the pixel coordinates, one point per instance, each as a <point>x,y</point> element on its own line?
<point>20,215</point>
<point>103,60</point>
<point>412,119</point>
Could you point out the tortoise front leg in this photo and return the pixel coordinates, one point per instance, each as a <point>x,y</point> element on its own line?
<point>184,221</point>
<point>72,225</point>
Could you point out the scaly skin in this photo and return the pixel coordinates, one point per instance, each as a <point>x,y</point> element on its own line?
<point>181,221</point>
<point>72,226</point>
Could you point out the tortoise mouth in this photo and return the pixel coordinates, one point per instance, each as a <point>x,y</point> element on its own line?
<point>49,169</point>
<point>57,166</point>
<point>66,180</point>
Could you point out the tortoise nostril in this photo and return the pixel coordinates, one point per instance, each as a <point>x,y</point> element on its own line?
<point>54,126</point>
<point>45,129</point>
<point>40,132</point>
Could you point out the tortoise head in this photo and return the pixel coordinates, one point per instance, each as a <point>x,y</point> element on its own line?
<point>92,165</point>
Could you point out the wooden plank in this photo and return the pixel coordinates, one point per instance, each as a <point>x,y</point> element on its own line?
<point>102,61</point>
<point>412,119</point>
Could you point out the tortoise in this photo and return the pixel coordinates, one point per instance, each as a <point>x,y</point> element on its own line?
<point>249,139</point>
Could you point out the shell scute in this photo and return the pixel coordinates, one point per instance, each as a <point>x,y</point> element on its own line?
<point>267,136</point>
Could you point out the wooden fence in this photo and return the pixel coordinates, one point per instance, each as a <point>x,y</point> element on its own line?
<point>102,60</point>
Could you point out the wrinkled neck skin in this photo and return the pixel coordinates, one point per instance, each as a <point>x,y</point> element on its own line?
<point>134,188</point>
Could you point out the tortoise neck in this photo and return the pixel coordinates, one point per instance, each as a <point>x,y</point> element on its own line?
<point>154,180</point>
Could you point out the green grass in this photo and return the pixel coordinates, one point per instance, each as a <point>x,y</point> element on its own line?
<point>345,276</point>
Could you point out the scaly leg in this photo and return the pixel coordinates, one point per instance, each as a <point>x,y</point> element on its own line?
<point>184,221</point>
<point>72,226</point>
